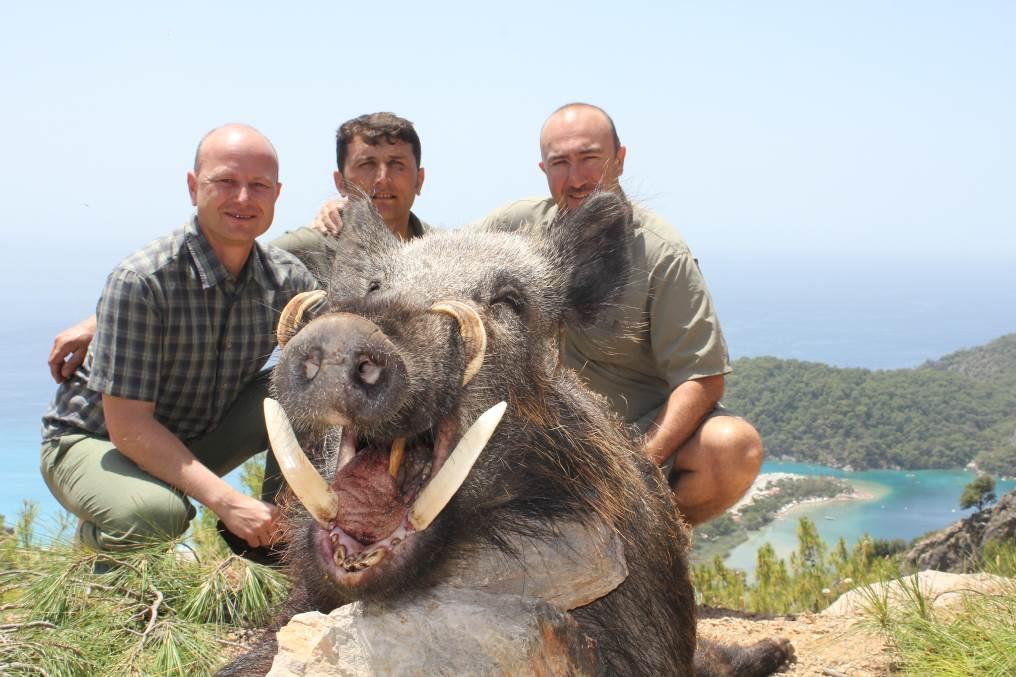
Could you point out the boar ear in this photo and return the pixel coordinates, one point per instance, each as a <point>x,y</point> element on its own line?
<point>362,247</point>
<point>592,243</point>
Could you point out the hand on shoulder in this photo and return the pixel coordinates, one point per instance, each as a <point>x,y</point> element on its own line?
<point>329,219</point>
<point>69,348</point>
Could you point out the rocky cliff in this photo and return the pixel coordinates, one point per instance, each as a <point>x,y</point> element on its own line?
<point>958,547</point>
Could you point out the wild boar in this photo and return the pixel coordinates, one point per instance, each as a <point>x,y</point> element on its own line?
<point>411,344</point>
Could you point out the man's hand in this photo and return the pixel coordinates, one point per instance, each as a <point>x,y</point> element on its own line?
<point>69,348</point>
<point>252,520</point>
<point>329,219</point>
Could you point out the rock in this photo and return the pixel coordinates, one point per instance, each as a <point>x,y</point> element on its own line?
<point>448,631</point>
<point>958,547</point>
<point>493,616</point>
<point>941,589</point>
<point>1001,524</point>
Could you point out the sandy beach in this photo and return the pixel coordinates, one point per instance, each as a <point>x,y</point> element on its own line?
<point>762,483</point>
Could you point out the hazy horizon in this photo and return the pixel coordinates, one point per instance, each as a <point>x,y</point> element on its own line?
<point>787,129</point>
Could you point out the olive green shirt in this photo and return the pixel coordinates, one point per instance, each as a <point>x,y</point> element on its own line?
<point>316,250</point>
<point>662,332</point>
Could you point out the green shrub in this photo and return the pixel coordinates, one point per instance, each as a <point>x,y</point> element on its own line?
<point>812,579</point>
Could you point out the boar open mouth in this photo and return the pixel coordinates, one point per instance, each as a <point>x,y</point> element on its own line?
<point>382,493</point>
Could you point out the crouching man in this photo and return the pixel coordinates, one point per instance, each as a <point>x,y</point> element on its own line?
<point>659,356</point>
<point>168,398</point>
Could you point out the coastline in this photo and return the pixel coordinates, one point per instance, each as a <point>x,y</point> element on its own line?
<point>856,495</point>
<point>761,484</point>
<point>741,523</point>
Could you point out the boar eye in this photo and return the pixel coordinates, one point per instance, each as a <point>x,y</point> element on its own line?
<point>373,285</point>
<point>510,298</point>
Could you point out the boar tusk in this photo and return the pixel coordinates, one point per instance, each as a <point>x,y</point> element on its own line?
<point>395,457</point>
<point>303,478</point>
<point>473,334</point>
<point>435,496</point>
<point>292,314</point>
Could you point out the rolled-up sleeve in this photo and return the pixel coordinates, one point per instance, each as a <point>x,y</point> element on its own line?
<point>687,342</point>
<point>127,350</point>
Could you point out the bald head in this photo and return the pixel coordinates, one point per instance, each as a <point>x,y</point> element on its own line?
<point>234,185</point>
<point>234,135</point>
<point>576,113</point>
<point>580,153</point>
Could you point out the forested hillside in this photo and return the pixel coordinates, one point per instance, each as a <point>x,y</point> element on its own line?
<point>991,363</point>
<point>943,414</point>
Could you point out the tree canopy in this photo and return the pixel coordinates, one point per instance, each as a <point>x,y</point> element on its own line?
<point>980,492</point>
<point>942,414</point>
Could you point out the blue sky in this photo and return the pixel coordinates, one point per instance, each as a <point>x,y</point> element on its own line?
<point>815,130</point>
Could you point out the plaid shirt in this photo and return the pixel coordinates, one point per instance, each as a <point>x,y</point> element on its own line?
<point>174,329</point>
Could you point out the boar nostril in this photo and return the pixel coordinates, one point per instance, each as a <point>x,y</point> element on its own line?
<point>368,371</point>
<point>311,366</point>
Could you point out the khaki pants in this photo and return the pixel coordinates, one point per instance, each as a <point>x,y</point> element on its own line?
<point>121,505</point>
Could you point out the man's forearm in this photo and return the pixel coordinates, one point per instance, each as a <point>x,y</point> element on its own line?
<point>681,415</point>
<point>157,451</point>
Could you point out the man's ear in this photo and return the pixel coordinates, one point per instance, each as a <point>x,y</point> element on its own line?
<point>192,188</point>
<point>339,181</point>
<point>420,176</point>
<point>592,244</point>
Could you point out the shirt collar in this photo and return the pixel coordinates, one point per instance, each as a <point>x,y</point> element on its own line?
<point>213,273</point>
<point>210,269</point>
<point>267,277</point>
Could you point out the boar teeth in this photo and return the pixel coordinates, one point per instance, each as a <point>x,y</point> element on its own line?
<point>435,496</point>
<point>374,558</point>
<point>473,334</point>
<point>347,448</point>
<point>292,314</point>
<point>303,478</point>
<point>395,457</point>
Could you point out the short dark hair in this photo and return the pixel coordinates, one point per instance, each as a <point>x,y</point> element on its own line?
<point>373,128</point>
<point>610,120</point>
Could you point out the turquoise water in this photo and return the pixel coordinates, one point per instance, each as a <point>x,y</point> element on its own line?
<point>903,504</point>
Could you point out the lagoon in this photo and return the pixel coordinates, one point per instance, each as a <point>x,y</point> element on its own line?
<point>903,504</point>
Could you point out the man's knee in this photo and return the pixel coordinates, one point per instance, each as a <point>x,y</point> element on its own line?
<point>159,519</point>
<point>734,446</point>
<point>716,467</point>
<point>723,459</point>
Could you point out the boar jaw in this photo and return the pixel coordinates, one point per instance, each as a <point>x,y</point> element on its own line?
<point>350,550</point>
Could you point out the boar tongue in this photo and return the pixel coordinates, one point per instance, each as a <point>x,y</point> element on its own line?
<point>368,500</point>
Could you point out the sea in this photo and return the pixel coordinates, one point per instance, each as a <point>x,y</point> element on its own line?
<point>875,313</point>
<point>896,504</point>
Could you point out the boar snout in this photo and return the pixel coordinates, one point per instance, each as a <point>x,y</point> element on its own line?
<point>342,369</point>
